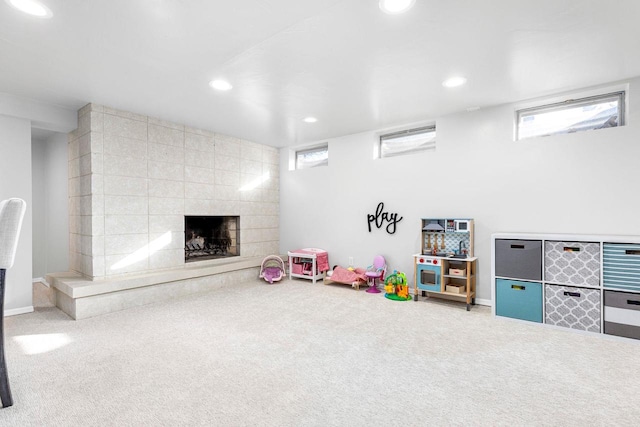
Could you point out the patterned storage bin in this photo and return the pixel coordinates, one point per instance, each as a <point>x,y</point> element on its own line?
<point>575,308</point>
<point>621,269</point>
<point>572,263</point>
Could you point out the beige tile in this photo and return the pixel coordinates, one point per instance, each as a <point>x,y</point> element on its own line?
<point>166,188</point>
<point>251,167</point>
<point>97,225</point>
<point>166,259</point>
<point>97,204</point>
<point>125,166</point>
<point>270,155</point>
<point>85,164</point>
<point>164,170</point>
<point>123,146</point>
<point>227,146</point>
<point>84,125</point>
<point>126,205</point>
<point>201,175</point>
<point>125,244</point>
<point>227,163</point>
<point>166,206</point>
<point>97,266</point>
<point>97,142</point>
<point>230,178</point>
<point>193,190</point>
<point>84,144</point>
<point>199,142</point>
<point>202,132</point>
<point>97,121</point>
<point>117,265</point>
<point>96,246</point>
<point>125,114</point>
<point>125,186</point>
<point>166,240</point>
<point>226,192</point>
<point>165,123</point>
<point>201,159</point>
<point>254,195</point>
<point>127,127</point>
<point>166,153</point>
<point>251,151</point>
<point>126,224</point>
<point>166,136</point>
<point>164,223</point>
<point>199,207</point>
<point>73,149</point>
<point>97,162</point>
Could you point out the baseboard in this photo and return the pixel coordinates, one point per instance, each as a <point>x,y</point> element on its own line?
<point>16,311</point>
<point>486,302</point>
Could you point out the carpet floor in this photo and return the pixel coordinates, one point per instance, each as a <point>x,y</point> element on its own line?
<point>299,354</point>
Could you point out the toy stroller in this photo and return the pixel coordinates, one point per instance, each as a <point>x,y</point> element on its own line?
<point>272,269</point>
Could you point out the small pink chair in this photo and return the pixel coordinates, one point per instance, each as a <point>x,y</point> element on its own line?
<point>375,271</point>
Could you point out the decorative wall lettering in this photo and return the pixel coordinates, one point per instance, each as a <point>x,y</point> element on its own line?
<point>381,217</point>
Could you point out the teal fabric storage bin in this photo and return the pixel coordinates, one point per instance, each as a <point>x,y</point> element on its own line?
<point>519,300</point>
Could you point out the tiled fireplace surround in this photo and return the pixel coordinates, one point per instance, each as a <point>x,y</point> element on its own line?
<point>132,179</point>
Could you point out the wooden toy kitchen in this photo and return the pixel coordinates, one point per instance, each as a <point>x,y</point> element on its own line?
<point>446,267</point>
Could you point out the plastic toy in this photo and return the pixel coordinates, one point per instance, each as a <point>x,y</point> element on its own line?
<point>375,272</point>
<point>272,269</point>
<point>396,287</point>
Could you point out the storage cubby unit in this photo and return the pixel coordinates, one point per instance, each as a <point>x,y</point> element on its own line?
<point>583,282</point>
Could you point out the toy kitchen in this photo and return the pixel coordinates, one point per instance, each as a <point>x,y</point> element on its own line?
<point>446,267</point>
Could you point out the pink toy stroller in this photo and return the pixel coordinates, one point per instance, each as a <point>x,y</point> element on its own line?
<point>272,269</point>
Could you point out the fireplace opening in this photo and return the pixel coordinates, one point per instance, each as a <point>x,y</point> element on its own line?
<point>211,237</point>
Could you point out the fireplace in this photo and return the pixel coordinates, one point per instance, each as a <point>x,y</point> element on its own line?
<point>211,237</point>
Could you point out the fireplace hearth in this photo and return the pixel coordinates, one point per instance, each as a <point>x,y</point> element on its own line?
<point>211,237</point>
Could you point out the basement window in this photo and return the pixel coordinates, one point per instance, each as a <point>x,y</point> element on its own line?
<point>313,157</point>
<point>572,115</point>
<point>408,141</point>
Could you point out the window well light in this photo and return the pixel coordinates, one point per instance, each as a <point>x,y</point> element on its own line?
<point>31,7</point>
<point>310,120</point>
<point>220,84</point>
<point>396,6</point>
<point>454,82</point>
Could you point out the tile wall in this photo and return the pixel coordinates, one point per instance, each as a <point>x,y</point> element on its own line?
<point>132,178</point>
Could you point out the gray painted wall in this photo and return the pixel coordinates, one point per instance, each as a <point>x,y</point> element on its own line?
<point>50,205</point>
<point>574,183</point>
<point>15,181</point>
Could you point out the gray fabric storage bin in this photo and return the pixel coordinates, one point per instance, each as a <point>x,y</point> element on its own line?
<point>518,259</point>
<point>572,263</point>
<point>622,314</point>
<point>570,307</point>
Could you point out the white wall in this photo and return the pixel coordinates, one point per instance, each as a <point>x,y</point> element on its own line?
<point>15,181</point>
<point>575,183</point>
<point>17,117</point>
<point>50,205</point>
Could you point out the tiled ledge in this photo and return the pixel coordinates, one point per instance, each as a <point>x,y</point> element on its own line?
<point>80,297</point>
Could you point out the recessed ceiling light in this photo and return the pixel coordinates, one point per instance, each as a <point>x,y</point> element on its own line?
<point>31,7</point>
<point>220,84</point>
<point>310,120</point>
<point>470,109</point>
<point>454,82</point>
<point>396,6</point>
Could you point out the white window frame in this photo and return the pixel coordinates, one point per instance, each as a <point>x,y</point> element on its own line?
<point>307,150</point>
<point>584,100</point>
<point>406,132</point>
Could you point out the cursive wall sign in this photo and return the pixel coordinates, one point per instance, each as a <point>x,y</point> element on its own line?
<point>381,217</point>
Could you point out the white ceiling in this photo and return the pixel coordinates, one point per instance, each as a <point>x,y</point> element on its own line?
<point>342,61</point>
